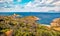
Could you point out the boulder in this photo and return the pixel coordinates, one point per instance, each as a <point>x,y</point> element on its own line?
<point>9,33</point>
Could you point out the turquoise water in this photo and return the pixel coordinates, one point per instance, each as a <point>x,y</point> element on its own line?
<point>45,18</point>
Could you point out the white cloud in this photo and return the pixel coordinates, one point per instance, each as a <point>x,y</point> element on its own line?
<point>57,3</point>
<point>49,1</point>
<point>35,6</point>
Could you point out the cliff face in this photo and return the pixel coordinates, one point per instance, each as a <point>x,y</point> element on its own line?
<point>56,24</point>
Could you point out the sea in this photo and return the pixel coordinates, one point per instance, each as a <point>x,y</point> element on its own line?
<point>45,18</point>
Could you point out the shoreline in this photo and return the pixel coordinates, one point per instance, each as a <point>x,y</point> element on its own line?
<point>45,24</point>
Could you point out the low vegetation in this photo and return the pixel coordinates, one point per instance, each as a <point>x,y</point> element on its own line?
<point>13,26</point>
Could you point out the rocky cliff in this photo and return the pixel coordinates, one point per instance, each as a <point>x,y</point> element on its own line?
<point>56,24</point>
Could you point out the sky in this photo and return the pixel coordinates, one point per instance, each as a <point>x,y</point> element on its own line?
<point>30,6</point>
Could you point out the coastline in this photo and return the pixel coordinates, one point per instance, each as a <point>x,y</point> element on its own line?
<point>45,24</point>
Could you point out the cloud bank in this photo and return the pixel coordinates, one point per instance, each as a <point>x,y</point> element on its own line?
<point>30,6</point>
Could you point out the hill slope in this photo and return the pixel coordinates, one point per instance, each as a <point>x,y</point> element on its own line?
<point>25,26</point>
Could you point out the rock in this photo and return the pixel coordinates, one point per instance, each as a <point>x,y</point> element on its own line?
<point>56,24</point>
<point>29,19</point>
<point>9,33</point>
<point>56,28</point>
<point>32,18</point>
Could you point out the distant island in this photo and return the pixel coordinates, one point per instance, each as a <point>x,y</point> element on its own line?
<point>14,25</point>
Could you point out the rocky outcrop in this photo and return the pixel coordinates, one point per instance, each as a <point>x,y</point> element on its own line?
<point>56,24</point>
<point>32,18</point>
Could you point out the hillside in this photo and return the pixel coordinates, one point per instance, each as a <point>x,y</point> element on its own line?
<point>24,26</point>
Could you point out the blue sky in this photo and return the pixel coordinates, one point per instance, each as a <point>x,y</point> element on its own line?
<point>22,2</point>
<point>30,5</point>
